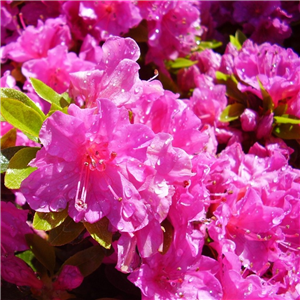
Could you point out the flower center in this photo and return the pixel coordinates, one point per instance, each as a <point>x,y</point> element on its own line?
<point>96,158</point>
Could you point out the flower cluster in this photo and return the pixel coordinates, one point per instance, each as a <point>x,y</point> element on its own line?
<point>185,185</point>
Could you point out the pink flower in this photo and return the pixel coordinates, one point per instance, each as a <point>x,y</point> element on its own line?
<point>177,275</point>
<point>36,41</point>
<point>69,278</point>
<point>93,160</point>
<point>166,19</point>
<point>83,165</point>
<point>101,19</point>
<point>163,112</point>
<point>54,70</point>
<point>116,77</point>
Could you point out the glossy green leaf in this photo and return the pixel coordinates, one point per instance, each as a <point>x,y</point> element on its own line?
<point>168,231</point>
<point>17,95</point>
<point>6,155</point>
<point>45,92</point>
<point>18,168</point>
<point>287,131</point>
<point>181,63</point>
<point>268,104</point>
<point>88,260</point>
<point>65,232</point>
<point>286,119</point>
<point>232,112</point>
<point>9,139</point>
<point>21,116</point>
<point>48,221</point>
<point>99,232</point>
<point>42,250</point>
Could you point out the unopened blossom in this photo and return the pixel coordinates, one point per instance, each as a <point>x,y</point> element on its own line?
<point>249,120</point>
<point>68,279</point>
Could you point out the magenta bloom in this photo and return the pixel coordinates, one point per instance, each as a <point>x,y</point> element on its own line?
<point>94,162</point>
<point>36,41</point>
<point>116,76</point>
<point>277,69</point>
<point>101,19</point>
<point>165,18</point>
<point>177,275</point>
<point>54,69</point>
<point>83,166</point>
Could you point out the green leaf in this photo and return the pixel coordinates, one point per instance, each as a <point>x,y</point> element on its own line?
<point>17,95</point>
<point>65,232</point>
<point>287,131</point>
<point>181,63</point>
<point>232,112</point>
<point>65,97</point>
<point>232,90</point>
<point>88,260</point>
<point>202,45</point>
<point>286,119</point>
<point>280,109</point>
<point>240,36</point>
<point>18,168</point>
<point>168,230</point>
<point>42,250</point>
<point>28,257</point>
<point>238,40</point>
<point>222,76</point>
<point>268,104</point>
<point>9,139</point>
<point>48,221</point>
<point>6,155</point>
<point>99,232</point>
<point>47,93</point>
<point>22,116</point>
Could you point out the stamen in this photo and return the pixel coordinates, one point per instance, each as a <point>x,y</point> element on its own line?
<point>81,193</point>
<point>155,75</point>
<point>22,20</point>
<point>113,192</point>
